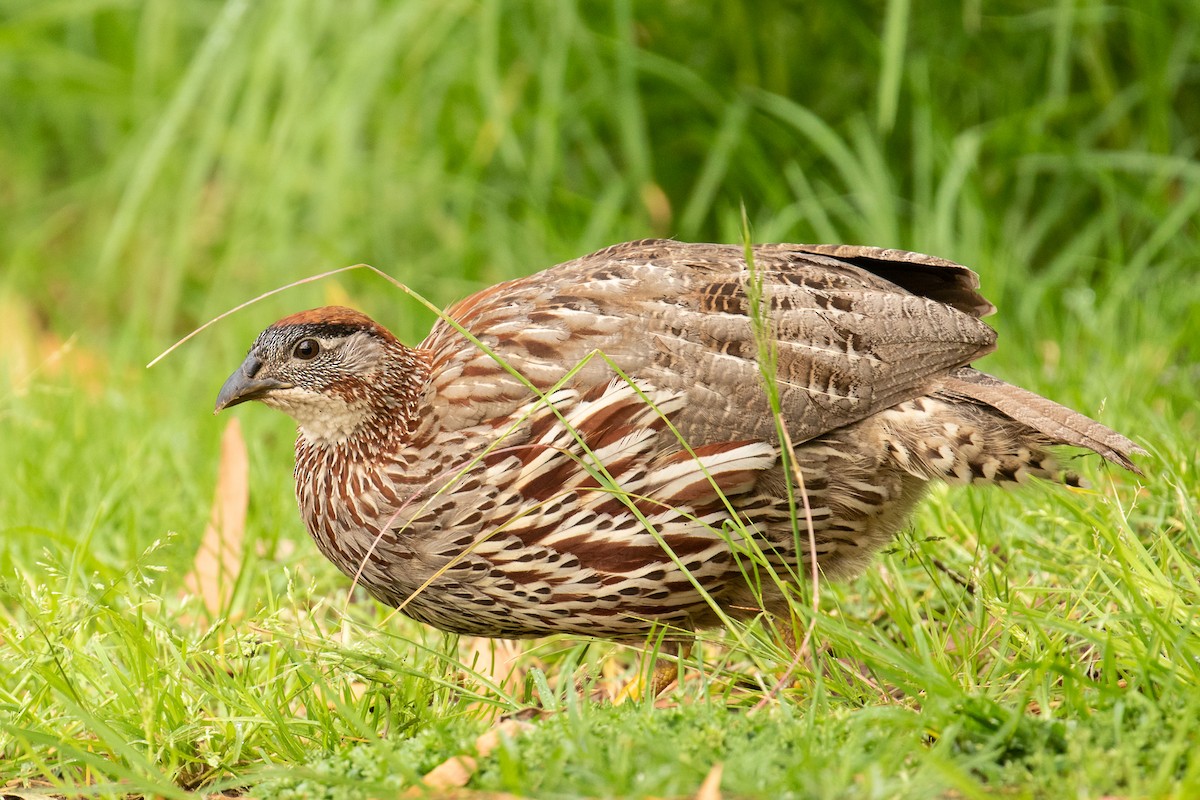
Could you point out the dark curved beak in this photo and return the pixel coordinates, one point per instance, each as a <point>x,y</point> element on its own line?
<point>245,384</point>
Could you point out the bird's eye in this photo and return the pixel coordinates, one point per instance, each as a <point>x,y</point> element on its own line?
<point>306,349</point>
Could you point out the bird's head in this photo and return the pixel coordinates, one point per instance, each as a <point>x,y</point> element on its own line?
<point>331,369</point>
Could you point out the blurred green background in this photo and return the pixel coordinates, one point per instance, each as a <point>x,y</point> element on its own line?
<point>162,161</point>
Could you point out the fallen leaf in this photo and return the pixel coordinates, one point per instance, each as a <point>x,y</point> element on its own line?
<point>456,772</point>
<point>710,789</point>
<point>215,569</point>
<point>453,773</point>
<point>474,794</point>
<point>32,351</point>
<point>490,739</point>
<point>497,662</point>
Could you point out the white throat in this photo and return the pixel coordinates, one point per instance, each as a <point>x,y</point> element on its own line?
<point>322,419</point>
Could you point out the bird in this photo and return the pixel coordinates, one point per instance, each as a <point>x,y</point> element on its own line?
<point>658,435</point>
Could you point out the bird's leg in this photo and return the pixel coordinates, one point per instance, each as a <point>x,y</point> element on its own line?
<point>661,675</point>
<point>666,670</point>
<point>800,653</point>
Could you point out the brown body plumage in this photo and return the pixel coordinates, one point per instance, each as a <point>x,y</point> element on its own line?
<point>449,487</point>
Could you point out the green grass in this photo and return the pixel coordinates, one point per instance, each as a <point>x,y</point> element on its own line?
<point>165,161</point>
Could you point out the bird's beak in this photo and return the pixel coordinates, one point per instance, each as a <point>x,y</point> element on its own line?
<point>244,384</point>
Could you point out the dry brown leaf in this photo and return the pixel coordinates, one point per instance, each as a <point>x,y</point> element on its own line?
<point>32,350</point>
<point>710,789</point>
<point>455,772</point>
<point>472,794</point>
<point>497,661</point>
<point>491,738</point>
<point>215,570</point>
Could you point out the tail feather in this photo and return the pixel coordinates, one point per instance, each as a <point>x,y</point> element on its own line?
<point>1045,416</point>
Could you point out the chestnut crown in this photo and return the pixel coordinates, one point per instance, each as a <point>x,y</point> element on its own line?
<point>325,367</point>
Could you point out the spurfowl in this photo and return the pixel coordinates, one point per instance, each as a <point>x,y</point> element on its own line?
<point>565,491</point>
